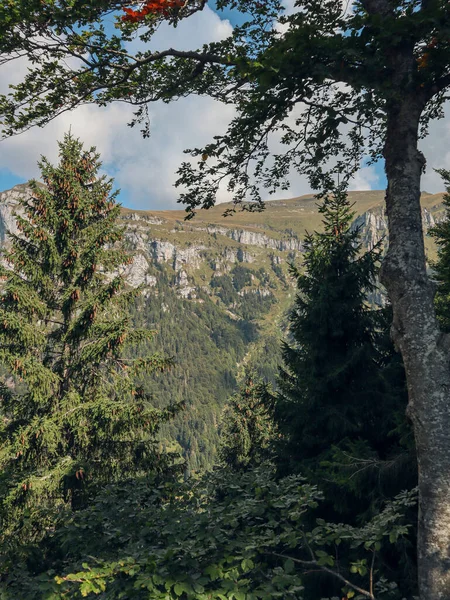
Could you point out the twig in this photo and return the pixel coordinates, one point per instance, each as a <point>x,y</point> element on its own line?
<point>371,573</point>
<point>314,563</point>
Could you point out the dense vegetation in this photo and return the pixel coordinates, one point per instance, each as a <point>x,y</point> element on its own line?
<point>332,84</point>
<point>219,343</point>
<point>308,492</point>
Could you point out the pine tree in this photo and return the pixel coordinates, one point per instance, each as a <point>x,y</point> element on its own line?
<point>247,427</point>
<point>73,418</point>
<point>343,393</point>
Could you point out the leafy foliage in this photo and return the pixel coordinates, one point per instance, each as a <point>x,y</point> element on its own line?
<point>152,8</point>
<point>227,536</point>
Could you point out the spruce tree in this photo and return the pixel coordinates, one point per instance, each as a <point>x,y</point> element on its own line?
<point>342,399</point>
<point>73,418</point>
<point>247,428</point>
<point>342,390</point>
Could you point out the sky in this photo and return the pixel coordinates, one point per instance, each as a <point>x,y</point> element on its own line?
<point>145,169</point>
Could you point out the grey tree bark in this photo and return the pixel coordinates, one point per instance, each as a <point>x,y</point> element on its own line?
<point>425,350</point>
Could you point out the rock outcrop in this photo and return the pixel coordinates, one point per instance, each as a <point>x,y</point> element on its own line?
<point>373,225</point>
<point>8,206</point>
<point>178,257</point>
<point>137,273</point>
<point>253,238</point>
<point>195,252</point>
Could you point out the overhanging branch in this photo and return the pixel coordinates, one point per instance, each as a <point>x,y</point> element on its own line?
<point>440,85</point>
<point>378,7</point>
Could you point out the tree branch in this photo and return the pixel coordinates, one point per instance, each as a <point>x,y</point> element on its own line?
<point>371,573</point>
<point>378,7</point>
<point>314,563</point>
<point>440,85</point>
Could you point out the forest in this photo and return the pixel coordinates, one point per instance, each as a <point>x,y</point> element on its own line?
<point>329,476</point>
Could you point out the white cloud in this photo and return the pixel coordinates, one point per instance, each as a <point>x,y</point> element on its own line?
<point>144,168</point>
<point>365,179</point>
<point>436,149</point>
<point>202,28</point>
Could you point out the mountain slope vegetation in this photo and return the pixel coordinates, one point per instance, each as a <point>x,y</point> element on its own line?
<point>217,291</point>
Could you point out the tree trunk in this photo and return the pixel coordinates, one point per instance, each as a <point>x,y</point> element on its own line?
<point>424,348</point>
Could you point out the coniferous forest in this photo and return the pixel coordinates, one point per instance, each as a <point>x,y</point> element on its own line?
<point>145,451</point>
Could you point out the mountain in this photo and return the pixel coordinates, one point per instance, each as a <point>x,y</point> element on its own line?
<point>217,290</point>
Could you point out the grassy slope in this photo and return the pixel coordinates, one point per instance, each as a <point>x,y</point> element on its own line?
<point>298,214</point>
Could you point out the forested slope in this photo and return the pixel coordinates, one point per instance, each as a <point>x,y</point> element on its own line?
<point>217,290</point>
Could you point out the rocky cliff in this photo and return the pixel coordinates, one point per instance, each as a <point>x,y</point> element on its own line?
<point>195,252</point>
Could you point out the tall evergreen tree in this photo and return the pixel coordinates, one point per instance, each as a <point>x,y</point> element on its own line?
<point>342,388</point>
<point>342,391</point>
<point>247,427</point>
<point>72,416</point>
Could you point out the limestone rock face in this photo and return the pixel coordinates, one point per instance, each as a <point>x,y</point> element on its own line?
<point>372,226</point>
<point>261,292</point>
<point>163,251</point>
<point>137,239</point>
<point>137,273</point>
<point>229,255</point>
<point>184,289</point>
<point>244,256</point>
<point>253,238</point>
<point>193,253</point>
<point>8,206</point>
<point>428,220</point>
<point>191,256</point>
<point>141,217</point>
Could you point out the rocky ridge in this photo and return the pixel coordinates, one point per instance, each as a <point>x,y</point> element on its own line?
<point>195,252</point>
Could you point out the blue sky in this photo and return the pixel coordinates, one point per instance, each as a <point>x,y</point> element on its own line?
<point>145,170</point>
<point>9,179</point>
